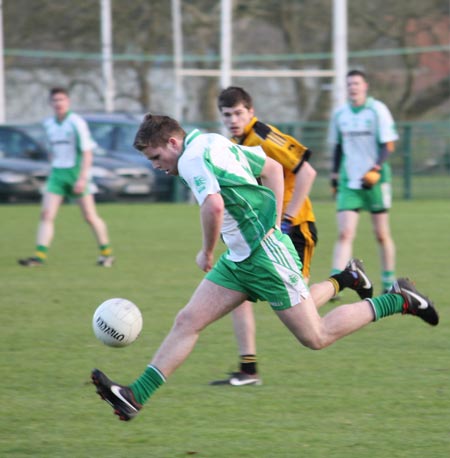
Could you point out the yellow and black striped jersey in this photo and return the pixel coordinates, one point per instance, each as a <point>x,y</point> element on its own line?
<point>286,150</point>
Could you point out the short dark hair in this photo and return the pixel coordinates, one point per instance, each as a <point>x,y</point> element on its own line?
<point>232,96</point>
<point>155,131</point>
<point>357,73</point>
<point>58,90</point>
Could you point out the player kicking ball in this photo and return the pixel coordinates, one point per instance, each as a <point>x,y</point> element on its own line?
<point>260,263</point>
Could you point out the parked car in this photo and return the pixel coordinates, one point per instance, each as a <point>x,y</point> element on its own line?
<point>112,178</point>
<point>114,133</point>
<point>22,179</point>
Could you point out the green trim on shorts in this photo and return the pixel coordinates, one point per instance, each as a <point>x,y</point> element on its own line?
<point>272,273</point>
<point>374,200</point>
<point>62,181</point>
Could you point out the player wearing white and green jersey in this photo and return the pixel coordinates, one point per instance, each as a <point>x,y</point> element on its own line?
<point>68,138</point>
<point>223,179</point>
<point>249,215</point>
<point>363,133</point>
<point>71,159</point>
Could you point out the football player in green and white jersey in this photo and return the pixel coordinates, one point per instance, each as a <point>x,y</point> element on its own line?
<point>363,135</point>
<point>71,159</point>
<point>260,263</point>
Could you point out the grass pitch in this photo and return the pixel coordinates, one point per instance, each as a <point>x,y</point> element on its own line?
<point>382,392</point>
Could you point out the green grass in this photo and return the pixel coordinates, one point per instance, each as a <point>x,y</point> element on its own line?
<point>382,392</point>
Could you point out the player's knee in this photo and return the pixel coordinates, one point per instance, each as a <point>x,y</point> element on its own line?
<point>185,321</point>
<point>314,341</point>
<point>346,235</point>
<point>91,219</point>
<point>46,216</point>
<point>381,237</point>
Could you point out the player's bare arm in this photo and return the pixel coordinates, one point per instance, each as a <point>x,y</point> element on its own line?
<point>304,179</point>
<point>211,216</point>
<point>272,177</point>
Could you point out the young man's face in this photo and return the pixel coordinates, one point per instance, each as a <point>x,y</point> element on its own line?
<point>357,88</point>
<point>236,118</point>
<point>165,157</point>
<point>60,103</point>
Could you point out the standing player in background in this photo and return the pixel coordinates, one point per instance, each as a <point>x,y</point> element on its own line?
<point>238,115</point>
<point>363,134</point>
<point>71,158</point>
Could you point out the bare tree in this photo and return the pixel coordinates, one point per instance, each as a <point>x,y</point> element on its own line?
<point>411,81</point>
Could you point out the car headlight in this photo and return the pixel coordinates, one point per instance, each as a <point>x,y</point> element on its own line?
<point>100,172</point>
<point>12,177</point>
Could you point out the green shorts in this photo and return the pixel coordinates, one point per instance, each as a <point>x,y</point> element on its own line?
<point>272,273</point>
<point>62,181</point>
<point>374,200</point>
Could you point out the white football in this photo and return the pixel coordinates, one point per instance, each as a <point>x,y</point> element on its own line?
<point>117,322</point>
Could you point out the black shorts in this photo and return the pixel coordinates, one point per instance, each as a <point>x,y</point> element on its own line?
<point>304,237</point>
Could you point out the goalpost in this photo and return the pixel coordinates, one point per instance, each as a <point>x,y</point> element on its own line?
<point>226,71</point>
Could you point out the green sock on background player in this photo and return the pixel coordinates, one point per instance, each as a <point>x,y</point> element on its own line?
<point>41,253</point>
<point>105,250</point>
<point>387,278</point>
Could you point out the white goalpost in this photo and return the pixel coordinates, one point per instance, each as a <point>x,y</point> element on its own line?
<point>225,73</point>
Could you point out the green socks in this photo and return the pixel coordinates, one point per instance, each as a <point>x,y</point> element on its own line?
<point>387,278</point>
<point>144,386</point>
<point>387,304</point>
<point>105,250</point>
<point>41,252</point>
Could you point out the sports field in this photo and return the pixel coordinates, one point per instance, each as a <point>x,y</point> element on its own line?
<point>383,392</point>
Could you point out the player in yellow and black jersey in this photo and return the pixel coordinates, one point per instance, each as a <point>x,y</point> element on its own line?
<point>236,108</point>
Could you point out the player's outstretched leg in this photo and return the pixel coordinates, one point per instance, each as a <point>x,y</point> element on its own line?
<point>415,302</point>
<point>120,397</point>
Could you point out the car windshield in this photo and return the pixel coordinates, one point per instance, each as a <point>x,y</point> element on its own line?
<point>18,142</point>
<point>114,136</point>
<point>36,131</point>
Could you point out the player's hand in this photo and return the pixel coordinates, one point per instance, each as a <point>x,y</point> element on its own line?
<point>79,186</point>
<point>334,186</point>
<point>371,178</point>
<point>286,224</point>
<point>204,261</point>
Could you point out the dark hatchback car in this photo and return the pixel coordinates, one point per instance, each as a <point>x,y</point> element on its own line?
<point>114,133</point>
<point>112,178</point>
<point>21,179</point>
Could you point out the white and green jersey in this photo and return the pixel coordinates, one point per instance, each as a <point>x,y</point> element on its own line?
<point>360,131</point>
<point>68,139</point>
<point>211,164</point>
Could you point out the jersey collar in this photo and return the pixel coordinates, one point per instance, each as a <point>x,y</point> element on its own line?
<point>189,137</point>
<point>63,119</point>
<point>367,103</point>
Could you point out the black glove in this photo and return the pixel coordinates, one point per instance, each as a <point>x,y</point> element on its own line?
<point>334,186</point>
